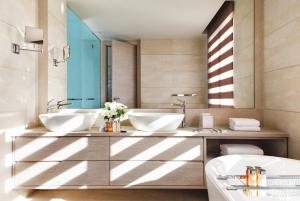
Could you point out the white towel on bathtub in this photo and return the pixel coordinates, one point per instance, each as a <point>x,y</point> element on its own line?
<point>249,149</point>
<point>244,128</point>
<point>243,122</point>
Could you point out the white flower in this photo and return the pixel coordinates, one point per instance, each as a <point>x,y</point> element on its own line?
<point>113,110</point>
<point>105,112</point>
<point>113,106</point>
<point>106,104</point>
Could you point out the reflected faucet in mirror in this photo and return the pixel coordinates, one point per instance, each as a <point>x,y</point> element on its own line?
<point>116,99</point>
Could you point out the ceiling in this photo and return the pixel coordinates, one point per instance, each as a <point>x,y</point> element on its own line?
<point>140,19</point>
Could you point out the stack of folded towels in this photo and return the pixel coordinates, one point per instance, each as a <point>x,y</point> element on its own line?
<point>244,124</point>
<point>230,149</point>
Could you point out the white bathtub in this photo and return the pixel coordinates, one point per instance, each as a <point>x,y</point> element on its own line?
<point>236,165</point>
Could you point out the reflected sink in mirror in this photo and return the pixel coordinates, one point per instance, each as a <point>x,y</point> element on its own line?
<point>155,122</point>
<point>68,122</point>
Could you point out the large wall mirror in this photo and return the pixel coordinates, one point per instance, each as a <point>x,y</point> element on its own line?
<point>149,54</point>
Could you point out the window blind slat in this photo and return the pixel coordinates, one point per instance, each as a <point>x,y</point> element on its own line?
<point>222,31</point>
<point>221,83</point>
<point>228,53</point>
<point>220,58</point>
<point>221,95</point>
<point>221,64</point>
<point>224,69</point>
<point>221,45</point>
<point>219,106</point>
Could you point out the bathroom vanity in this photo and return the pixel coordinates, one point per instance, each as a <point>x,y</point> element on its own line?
<point>135,159</point>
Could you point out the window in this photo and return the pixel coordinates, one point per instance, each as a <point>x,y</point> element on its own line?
<point>220,58</point>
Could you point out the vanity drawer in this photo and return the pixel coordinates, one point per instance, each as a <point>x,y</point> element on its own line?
<point>66,173</point>
<point>159,173</point>
<point>61,148</point>
<point>156,148</point>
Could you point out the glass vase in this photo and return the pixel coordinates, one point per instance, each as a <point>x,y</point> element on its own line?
<point>116,126</point>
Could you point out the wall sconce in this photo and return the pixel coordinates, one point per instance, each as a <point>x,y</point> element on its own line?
<point>33,35</point>
<point>66,56</point>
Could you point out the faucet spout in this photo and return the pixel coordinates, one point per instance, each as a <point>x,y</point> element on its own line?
<point>61,103</point>
<point>59,106</point>
<point>182,105</point>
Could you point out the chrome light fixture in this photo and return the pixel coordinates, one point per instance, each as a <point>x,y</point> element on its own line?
<point>34,36</point>
<point>66,56</point>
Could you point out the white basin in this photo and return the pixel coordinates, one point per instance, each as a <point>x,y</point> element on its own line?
<point>67,122</point>
<point>99,118</point>
<point>153,122</point>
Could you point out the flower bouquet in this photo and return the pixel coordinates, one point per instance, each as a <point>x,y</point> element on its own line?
<point>112,114</point>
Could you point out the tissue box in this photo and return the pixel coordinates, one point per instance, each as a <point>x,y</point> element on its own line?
<point>207,120</point>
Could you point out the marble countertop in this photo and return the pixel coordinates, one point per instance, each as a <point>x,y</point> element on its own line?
<point>131,132</point>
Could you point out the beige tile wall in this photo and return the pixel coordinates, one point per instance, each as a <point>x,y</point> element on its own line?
<point>43,58</point>
<point>173,66</point>
<point>244,54</point>
<point>282,69</point>
<point>18,81</point>
<point>57,39</point>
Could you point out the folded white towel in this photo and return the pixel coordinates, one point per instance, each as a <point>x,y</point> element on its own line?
<point>244,128</point>
<point>230,149</point>
<point>244,122</point>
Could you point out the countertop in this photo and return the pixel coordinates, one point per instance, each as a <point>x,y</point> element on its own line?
<point>130,132</point>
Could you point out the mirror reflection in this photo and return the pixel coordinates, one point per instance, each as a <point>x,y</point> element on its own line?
<point>152,54</point>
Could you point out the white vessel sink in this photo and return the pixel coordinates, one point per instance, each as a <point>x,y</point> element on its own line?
<point>153,122</point>
<point>68,122</point>
<point>99,118</point>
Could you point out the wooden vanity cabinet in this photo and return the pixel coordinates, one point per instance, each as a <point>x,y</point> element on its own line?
<point>93,160</point>
<point>58,162</point>
<point>60,174</point>
<point>156,161</point>
<point>73,162</point>
<point>158,173</point>
<point>61,149</point>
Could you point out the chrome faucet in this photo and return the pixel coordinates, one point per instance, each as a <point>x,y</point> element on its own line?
<point>58,105</point>
<point>116,99</point>
<point>181,104</point>
<point>50,106</point>
<point>61,103</point>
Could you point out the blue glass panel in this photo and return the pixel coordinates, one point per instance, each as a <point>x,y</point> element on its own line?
<point>83,74</point>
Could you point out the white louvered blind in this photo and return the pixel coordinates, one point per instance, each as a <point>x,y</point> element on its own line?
<point>220,58</point>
